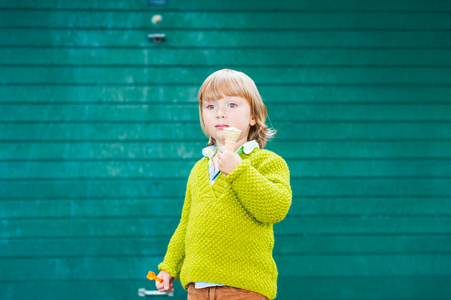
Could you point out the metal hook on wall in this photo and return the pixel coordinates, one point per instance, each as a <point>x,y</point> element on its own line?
<point>157,37</point>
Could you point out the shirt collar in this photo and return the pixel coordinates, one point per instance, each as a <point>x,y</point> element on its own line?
<point>247,148</point>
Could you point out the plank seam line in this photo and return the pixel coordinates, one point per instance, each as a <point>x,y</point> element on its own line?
<point>199,66</point>
<point>363,216</point>
<point>180,198</point>
<point>181,122</point>
<point>156,179</point>
<point>279,48</point>
<point>260,84</point>
<point>238,29</point>
<point>276,254</point>
<point>144,122</point>
<point>195,159</point>
<point>163,10</point>
<point>168,236</point>
<point>192,103</point>
<point>145,141</point>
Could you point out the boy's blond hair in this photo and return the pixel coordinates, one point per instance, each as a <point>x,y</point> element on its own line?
<point>230,83</point>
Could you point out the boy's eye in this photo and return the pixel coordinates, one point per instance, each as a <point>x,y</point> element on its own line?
<point>210,106</point>
<point>232,105</point>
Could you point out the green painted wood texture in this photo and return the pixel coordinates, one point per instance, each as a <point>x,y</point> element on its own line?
<point>99,129</point>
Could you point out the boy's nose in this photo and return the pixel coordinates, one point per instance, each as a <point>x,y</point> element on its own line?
<point>220,114</point>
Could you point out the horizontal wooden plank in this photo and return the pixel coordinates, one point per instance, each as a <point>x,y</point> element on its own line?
<point>263,76</point>
<point>85,289</point>
<point>266,5</point>
<point>90,247</point>
<point>93,188</point>
<point>348,245</point>
<point>188,94</point>
<point>213,39</point>
<point>73,150</point>
<point>308,168</point>
<point>226,20</point>
<point>366,205</point>
<point>88,227</point>
<point>374,265</point>
<point>163,188</point>
<point>336,225</point>
<point>363,288</point>
<point>61,131</point>
<point>284,245</point>
<point>110,208</point>
<point>89,150</point>
<point>99,113</point>
<point>157,226</point>
<point>115,170</point>
<point>77,268</point>
<point>297,287</point>
<point>74,269</point>
<point>164,133</point>
<point>231,58</point>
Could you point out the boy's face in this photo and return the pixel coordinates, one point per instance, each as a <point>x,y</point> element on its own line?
<point>227,112</point>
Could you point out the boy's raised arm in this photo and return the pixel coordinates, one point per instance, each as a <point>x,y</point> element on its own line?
<point>263,190</point>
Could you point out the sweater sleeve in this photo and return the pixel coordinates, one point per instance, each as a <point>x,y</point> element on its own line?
<point>264,190</point>
<point>175,254</point>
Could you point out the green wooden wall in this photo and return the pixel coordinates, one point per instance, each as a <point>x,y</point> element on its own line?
<point>99,130</point>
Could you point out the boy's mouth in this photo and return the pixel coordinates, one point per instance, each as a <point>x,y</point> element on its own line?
<point>221,126</point>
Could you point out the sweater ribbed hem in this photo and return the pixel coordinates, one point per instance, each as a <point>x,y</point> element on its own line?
<point>264,285</point>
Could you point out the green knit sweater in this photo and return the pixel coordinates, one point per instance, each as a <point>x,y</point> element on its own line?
<point>225,234</point>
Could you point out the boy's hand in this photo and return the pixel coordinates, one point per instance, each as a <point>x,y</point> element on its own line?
<point>167,285</point>
<point>227,160</point>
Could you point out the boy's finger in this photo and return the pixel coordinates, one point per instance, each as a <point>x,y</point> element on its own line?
<point>171,287</point>
<point>166,284</point>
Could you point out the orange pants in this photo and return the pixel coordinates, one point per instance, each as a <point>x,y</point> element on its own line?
<point>222,293</point>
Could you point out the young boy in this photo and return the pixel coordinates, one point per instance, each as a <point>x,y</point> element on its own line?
<point>222,247</point>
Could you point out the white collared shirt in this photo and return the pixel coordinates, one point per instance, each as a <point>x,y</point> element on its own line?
<point>211,151</point>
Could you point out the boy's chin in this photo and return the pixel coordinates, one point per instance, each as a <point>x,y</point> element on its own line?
<point>219,136</point>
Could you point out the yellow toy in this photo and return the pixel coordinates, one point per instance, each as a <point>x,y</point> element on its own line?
<point>151,275</point>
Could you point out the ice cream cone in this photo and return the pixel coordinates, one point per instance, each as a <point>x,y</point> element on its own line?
<point>231,135</point>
